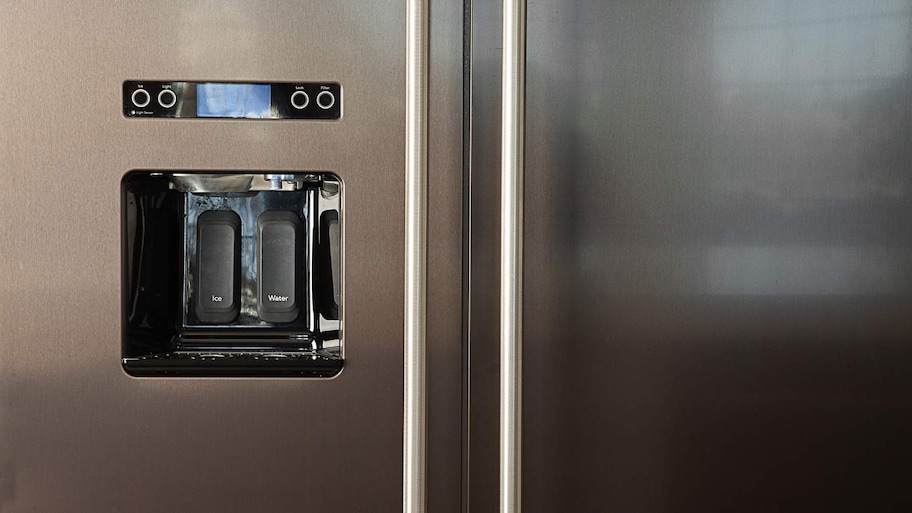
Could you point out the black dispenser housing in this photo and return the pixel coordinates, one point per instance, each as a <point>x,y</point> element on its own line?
<point>232,274</point>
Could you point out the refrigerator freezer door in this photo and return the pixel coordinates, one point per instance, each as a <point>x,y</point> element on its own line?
<point>76,432</point>
<point>718,274</point>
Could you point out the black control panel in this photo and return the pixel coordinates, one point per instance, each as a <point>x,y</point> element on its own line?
<point>232,100</point>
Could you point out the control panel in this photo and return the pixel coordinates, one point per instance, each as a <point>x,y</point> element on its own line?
<point>232,100</point>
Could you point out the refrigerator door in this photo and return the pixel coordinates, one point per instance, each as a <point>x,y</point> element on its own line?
<point>718,261</point>
<point>76,432</point>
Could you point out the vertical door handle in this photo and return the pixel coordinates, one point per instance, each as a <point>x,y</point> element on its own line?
<point>414,447</point>
<point>511,244</point>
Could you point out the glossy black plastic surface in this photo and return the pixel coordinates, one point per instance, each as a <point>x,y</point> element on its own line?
<point>180,99</point>
<point>171,266</point>
<point>235,363</point>
<point>251,207</point>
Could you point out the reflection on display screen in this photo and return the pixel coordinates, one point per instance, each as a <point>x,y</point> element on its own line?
<point>233,101</point>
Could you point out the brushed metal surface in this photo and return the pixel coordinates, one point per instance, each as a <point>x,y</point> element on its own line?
<point>76,433</point>
<point>414,442</point>
<point>444,259</point>
<point>483,316</point>
<point>512,129</point>
<point>717,256</point>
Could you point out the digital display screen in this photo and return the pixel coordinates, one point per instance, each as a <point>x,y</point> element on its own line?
<point>233,101</point>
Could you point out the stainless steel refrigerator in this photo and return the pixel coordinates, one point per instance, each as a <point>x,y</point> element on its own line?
<point>208,224</point>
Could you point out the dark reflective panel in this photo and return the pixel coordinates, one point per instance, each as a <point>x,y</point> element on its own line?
<point>718,255</point>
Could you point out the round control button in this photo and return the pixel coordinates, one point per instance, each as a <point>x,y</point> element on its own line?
<point>299,99</point>
<point>167,98</point>
<point>326,100</point>
<point>140,97</point>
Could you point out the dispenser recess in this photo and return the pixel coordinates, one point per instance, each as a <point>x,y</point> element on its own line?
<point>232,274</point>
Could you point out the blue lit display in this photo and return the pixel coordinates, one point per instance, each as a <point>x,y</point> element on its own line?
<point>233,101</point>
